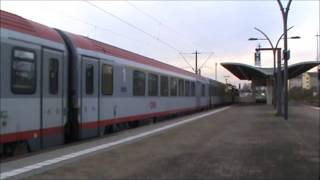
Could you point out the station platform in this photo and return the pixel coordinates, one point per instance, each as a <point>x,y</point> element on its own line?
<point>234,142</point>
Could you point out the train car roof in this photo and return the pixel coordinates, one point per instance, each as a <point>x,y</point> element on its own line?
<point>94,45</point>
<point>17,23</point>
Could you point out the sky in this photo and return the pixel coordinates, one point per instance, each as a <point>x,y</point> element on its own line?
<point>218,30</point>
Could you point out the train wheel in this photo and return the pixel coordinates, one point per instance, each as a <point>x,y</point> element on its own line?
<point>126,125</point>
<point>22,148</point>
<point>9,148</point>
<point>154,120</point>
<point>108,129</point>
<point>133,124</point>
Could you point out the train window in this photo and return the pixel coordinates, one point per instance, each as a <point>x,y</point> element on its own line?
<point>164,86</point>
<point>193,89</point>
<point>23,73</point>
<point>89,79</point>
<point>153,84</point>
<point>53,76</point>
<point>181,87</point>
<point>139,83</point>
<point>107,79</point>
<point>173,86</point>
<point>187,88</point>
<point>203,93</point>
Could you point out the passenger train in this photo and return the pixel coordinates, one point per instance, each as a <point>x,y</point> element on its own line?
<point>56,86</point>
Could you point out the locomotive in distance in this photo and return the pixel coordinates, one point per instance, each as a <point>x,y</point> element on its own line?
<point>57,87</point>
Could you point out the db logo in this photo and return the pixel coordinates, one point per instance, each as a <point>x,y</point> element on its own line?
<point>153,104</point>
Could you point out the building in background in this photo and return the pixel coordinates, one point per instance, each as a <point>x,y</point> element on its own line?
<point>295,82</point>
<point>309,80</point>
<point>306,80</point>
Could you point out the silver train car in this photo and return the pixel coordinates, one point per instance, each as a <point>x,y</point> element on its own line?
<point>57,86</point>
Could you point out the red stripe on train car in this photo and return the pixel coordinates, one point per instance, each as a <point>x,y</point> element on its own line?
<point>26,135</point>
<point>132,118</point>
<point>53,130</point>
<point>4,138</point>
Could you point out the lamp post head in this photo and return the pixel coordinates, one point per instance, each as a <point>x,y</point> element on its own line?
<point>252,39</point>
<point>295,37</point>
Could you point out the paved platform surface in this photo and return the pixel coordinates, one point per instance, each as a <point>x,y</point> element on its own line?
<point>242,142</point>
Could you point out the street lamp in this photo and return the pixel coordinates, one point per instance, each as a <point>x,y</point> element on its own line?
<point>226,78</point>
<point>295,37</point>
<point>317,36</point>
<point>286,53</point>
<point>257,39</point>
<point>274,50</point>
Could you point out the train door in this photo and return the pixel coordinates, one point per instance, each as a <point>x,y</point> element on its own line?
<point>210,95</point>
<point>2,113</point>
<point>2,51</point>
<point>52,98</point>
<point>198,94</point>
<point>89,97</point>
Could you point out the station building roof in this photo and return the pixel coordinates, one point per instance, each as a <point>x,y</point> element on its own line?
<point>248,72</point>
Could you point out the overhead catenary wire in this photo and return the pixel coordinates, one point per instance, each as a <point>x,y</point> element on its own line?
<point>136,41</point>
<point>137,28</point>
<point>110,31</point>
<point>93,25</point>
<point>160,23</point>
<point>186,61</point>
<point>210,55</point>
<point>196,69</point>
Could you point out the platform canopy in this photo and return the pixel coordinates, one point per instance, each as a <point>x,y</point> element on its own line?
<point>248,72</point>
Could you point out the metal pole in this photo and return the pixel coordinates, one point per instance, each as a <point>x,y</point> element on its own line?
<point>274,65</point>
<point>279,85</point>
<point>318,93</point>
<point>196,62</point>
<point>216,71</point>
<point>317,36</point>
<point>285,70</point>
<point>279,79</point>
<point>274,78</point>
<point>284,13</point>
<point>274,50</point>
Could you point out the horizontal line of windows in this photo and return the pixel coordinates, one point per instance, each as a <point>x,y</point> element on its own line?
<point>162,85</point>
<point>23,79</point>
